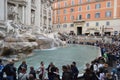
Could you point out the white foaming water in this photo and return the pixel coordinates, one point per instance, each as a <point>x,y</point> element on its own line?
<point>53,48</point>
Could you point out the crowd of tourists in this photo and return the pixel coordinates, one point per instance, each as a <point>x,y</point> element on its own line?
<point>98,69</point>
<point>10,72</point>
<point>106,67</point>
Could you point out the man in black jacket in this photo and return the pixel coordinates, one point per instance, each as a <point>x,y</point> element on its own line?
<point>10,71</point>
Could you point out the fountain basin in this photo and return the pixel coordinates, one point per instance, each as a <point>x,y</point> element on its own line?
<point>81,54</point>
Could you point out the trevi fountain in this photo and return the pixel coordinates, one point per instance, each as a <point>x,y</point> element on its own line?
<point>19,42</point>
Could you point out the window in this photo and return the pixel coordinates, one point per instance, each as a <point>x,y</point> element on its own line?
<point>88,16</point>
<point>58,26</point>
<point>88,7</point>
<point>97,24</point>
<point>65,18</point>
<point>88,0</point>
<point>72,3</point>
<point>80,1</point>
<point>80,8</point>
<point>107,23</point>
<point>65,25</point>
<point>71,10</point>
<point>87,24</point>
<point>58,5</point>
<point>72,17</point>
<point>97,6</point>
<point>108,14</point>
<point>79,17</point>
<point>71,25</point>
<point>97,15</point>
<point>108,4</point>
<point>58,19</point>
<point>65,11</point>
<point>65,4</point>
<point>58,11</point>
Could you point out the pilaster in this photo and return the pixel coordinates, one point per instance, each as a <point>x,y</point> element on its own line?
<point>37,13</point>
<point>28,13</point>
<point>3,10</point>
<point>115,9</point>
<point>42,15</point>
<point>47,13</point>
<point>23,14</point>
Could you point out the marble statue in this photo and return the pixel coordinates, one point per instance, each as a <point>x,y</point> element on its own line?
<point>9,28</point>
<point>15,13</point>
<point>32,17</point>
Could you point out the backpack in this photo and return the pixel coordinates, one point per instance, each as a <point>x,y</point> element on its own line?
<point>1,67</point>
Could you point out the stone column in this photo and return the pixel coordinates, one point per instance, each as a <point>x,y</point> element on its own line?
<point>3,10</point>
<point>51,19</point>
<point>23,14</point>
<point>28,13</point>
<point>16,13</point>
<point>42,14</point>
<point>37,14</point>
<point>47,11</point>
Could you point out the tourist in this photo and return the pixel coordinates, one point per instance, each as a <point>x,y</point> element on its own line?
<point>66,75</point>
<point>101,74</point>
<point>15,70</point>
<point>70,71</point>
<point>118,65</point>
<point>87,66</point>
<point>31,77</point>
<point>56,75</point>
<point>41,71</point>
<point>1,69</point>
<point>23,75</point>
<point>114,74</point>
<point>32,72</point>
<point>51,69</point>
<point>92,65</point>
<point>89,75</point>
<point>74,70</point>
<point>110,59</point>
<point>9,70</point>
<point>23,65</point>
<point>109,76</point>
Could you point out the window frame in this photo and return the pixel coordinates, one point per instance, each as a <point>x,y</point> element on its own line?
<point>108,13</point>
<point>88,7</point>
<point>87,24</point>
<point>65,18</point>
<point>80,8</point>
<point>87,16</point>
<point>96,14</point>
<point>64,25</point>
<point>97,24</point>
<point>109,4</point>
<point>97,7</point>
<point>107,23</point>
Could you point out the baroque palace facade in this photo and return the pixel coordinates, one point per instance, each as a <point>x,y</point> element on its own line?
<point>97,17</point>
<point>36,14</point>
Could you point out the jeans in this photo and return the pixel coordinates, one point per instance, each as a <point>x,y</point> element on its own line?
<point>10,78</point>
<point>1,76</point>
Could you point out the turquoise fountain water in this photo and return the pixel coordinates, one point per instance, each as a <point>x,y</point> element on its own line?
<point>81,54</point>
